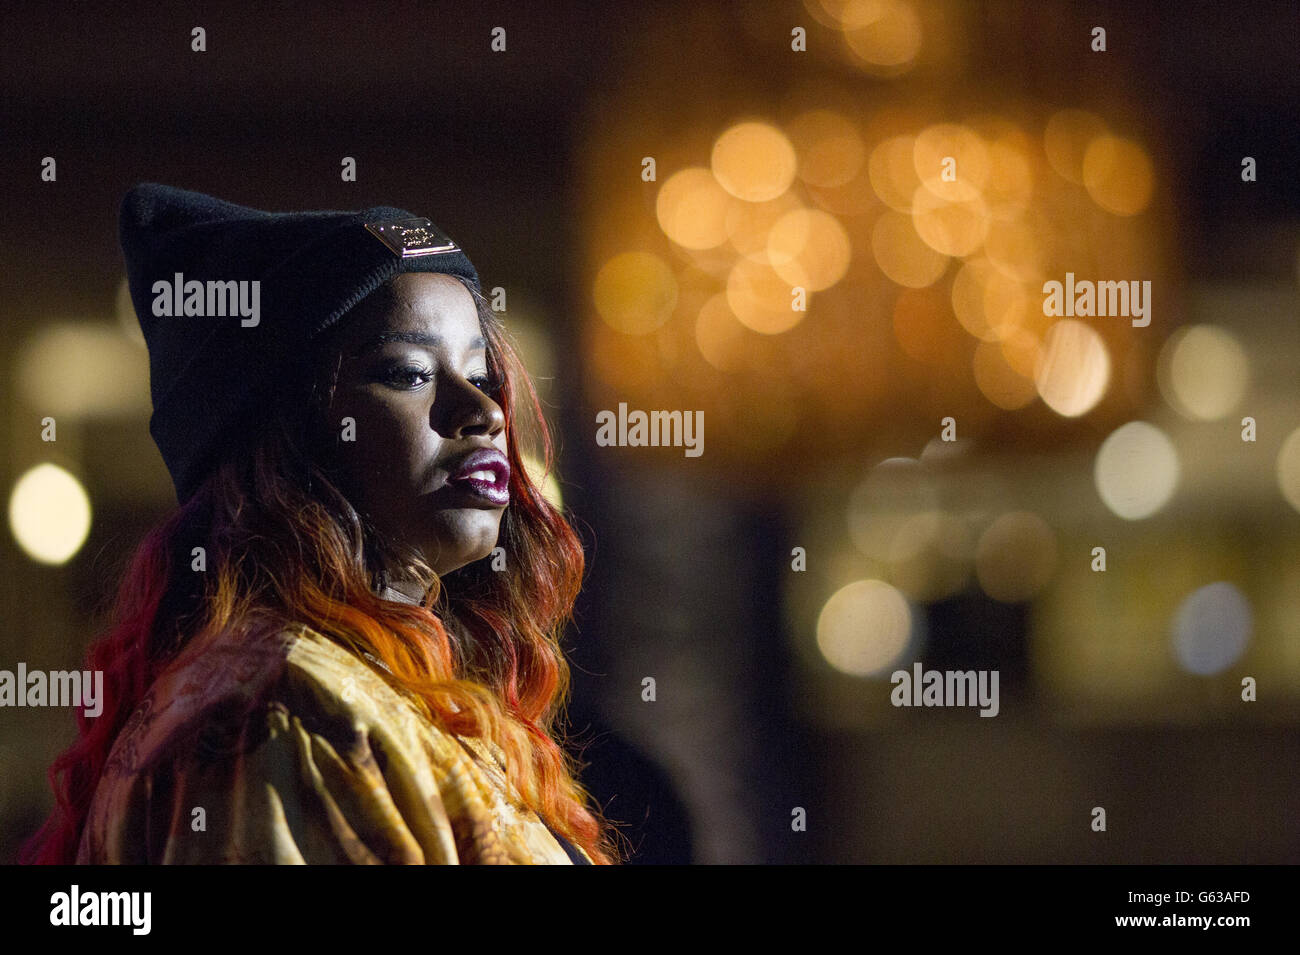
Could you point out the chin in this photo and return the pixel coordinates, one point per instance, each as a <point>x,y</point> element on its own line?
<point>474,540</point>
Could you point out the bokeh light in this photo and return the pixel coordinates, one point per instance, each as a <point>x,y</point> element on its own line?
<point>902,254</point>
<point>882,33</point>
<point>1010,183</point>
<point>1073,368</point>
<point>1136,471</point>
<point>892,169</point>
<point>1066,140</point>
<point>892,492</point>
<point>929,556</point>
<point>749,224</point>
<point>761,298</point>
<point>1016,557</point>
<point>754,161</point>
<point>1212,628</point>
<point>950,217</point>
<point>968,287</point>
<point>998,381</point>
<point>1117,174</point>
<point>83,369</point>
<point>864,627</point>
<point>1288,469</point>
<point>719,335</point>
<point>1016,248</point>
<point>692,209</point>
<point>935,145</point>
<point>811,245</point>
<point>1203,372</point>
<point>1021,350</point>
<point>829,147</point>
<point>635,292</point>
<point>49,514</point>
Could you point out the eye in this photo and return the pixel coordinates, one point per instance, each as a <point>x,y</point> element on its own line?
<point>407,377</point>
<point>485,382</point>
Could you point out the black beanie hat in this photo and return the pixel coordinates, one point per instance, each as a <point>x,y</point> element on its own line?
<point>226,295</point>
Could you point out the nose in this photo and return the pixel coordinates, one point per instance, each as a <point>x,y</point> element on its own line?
<point>462,410</point>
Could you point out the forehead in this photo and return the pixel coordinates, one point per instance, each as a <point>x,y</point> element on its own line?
<point>418,303</point>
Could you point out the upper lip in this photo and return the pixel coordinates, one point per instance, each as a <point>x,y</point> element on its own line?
<point>483,459</point>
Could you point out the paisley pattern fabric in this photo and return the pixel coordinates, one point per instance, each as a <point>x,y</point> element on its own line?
<point>278,745</point>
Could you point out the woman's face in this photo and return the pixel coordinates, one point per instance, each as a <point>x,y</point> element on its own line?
<point>413,375</point>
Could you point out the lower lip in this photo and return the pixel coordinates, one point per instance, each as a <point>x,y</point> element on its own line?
<point>488,491</point>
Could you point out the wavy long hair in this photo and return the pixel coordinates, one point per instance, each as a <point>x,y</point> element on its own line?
<point>481,657</point>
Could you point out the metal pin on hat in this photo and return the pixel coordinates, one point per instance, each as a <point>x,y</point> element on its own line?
<point>411,237</point>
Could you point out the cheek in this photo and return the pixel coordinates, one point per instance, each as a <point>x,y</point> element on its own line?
<point>392,450</point>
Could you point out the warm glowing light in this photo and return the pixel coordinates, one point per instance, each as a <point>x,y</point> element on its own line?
<point>854,198</point>
<point>826,12</point>
<point>83,369</point>
<point>1203,372</point>
<point>1288,469</point>
<point>1136,470</point>
<point>49,514</point>
<point>883,33</point>
<point>1008,305</point>
<point>1010,183</point>
<point>936,145</point>
<point>1117,174</point>
<point>692,209</point>
<point>814,243</point>
<point>988,304</point>
<point>125,310</point>
<point>547,482</point>
<point>1212,628</point>
<point>864,627</point>
<point>1021,351</point>
<point>762,299</point>
<point>968,298</point>
<point>1016,557</point>
<point>1013,246</point>
<point>719,335</point>
<point>754,161</point>
<point>1066,139</point>
<point>901,253</point>
<point>929,556</point>
<point>1073,368</point>
<point>880,505</point>
<point>830,148</point>
<point>998,381</point>
<point>749,224</point>
<point>893,172</point>
<point>954,226</point>
<point>635,292</point>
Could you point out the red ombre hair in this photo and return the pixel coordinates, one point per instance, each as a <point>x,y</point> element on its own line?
<point>480,658</point>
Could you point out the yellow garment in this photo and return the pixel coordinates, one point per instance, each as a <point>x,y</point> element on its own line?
<point>278,745</point>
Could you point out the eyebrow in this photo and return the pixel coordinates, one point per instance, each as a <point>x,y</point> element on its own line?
<point>413,338</point>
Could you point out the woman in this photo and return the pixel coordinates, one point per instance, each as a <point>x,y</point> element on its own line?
<point>342,646</point>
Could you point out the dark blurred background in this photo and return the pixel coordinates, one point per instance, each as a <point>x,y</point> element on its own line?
<point>773,168</point>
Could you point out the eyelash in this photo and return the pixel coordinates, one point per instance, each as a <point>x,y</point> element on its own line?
<point>489,384</point>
